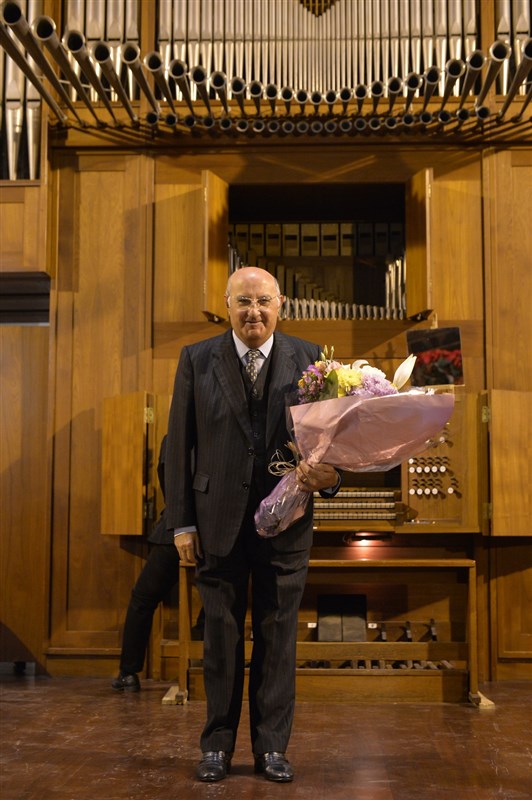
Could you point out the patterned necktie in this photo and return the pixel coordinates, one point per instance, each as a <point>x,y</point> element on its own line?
<point>251,364</point>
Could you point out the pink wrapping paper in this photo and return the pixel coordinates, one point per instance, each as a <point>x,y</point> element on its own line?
<point>357,434</point>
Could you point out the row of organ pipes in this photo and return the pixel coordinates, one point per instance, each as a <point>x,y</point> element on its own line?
<point>279,65</point>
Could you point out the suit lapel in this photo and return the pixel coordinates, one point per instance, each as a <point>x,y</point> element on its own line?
<point>227,372</point>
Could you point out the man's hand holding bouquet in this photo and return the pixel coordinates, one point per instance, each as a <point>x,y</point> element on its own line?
<point>352,417</point>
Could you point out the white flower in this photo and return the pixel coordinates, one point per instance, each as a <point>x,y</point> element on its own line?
<point>404,371</point>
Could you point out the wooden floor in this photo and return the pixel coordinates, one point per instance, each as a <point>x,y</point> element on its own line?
<point>76,739</point>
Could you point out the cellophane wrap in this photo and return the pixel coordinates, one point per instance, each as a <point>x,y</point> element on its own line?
<point>358,434</point>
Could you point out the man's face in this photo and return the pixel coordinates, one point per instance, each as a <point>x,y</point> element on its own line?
<point>253,304</point>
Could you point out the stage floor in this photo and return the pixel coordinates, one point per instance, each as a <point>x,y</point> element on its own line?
<point>76,739</point>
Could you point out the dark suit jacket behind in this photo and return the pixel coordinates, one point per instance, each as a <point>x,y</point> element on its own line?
<point>209,459</point>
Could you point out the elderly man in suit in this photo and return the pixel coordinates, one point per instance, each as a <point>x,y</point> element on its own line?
<point>227,422</point>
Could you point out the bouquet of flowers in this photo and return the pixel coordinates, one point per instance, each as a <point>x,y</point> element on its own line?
<point>353,417</point>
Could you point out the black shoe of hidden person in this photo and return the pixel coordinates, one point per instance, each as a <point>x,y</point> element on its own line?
<point>214,766</point>
<point>274,766</point>
<point>126,682</point>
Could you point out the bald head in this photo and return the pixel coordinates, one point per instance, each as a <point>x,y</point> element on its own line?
<point>253,299</point>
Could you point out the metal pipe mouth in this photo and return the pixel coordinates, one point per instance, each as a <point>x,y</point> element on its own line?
<point>330,97</point>
<point>255,90</point>
<point>302,97</point>
<point>208,122</point>
<point>271,91</point>
<point>409,120</point>
<point>482,113</point>
<point>476,60</point>
<point>361,92</point>
<point>171,120</point>
<point>425,117</point>
<point>177,69</point>
<point>238,87</point>
<point>226,123</point>
<point>431,76</point>
<point>75,41</point>
<point>199,75</point>
<point>390,123</point>
<point>360,124</point>
<point>189,121</point>
<point>273,126</point>
<point>395,86</point>
<point>11,13</point>
<point>500,51</point>
<point>413,81</point>
<point>130,53</point>
<point>101,52</point>
<point>345,125</point>
<point>377,89</point>
<point>218,81</point>
<point>287,94</point>
<point>345,94</point>
<point>288,126</point>
<point>153,61</point>
<point>316,98</point>
<point>375,123</point>
<point>444,116</point>
<point>152,118</point>
<point>242,126</point>
<point>44,28</point>
<point>462,114</point>
<point>455,68</point>
<point>302,126</point>
<point>316,126</point>
<point>258,125</point>
<point>330,126</point>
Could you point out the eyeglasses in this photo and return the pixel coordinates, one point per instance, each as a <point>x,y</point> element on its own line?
<point>266,301</point>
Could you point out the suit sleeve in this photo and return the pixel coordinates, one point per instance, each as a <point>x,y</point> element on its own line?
<point>180,445</point>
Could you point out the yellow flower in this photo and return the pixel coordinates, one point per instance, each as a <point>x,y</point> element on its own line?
<point>348,378</point>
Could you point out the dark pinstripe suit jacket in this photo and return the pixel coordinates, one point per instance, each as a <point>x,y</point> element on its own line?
<point>209,459</point>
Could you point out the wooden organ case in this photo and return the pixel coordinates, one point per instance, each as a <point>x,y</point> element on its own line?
<point>416,574</point>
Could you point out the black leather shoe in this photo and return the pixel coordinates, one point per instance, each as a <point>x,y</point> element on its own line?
<point>214,766</point>
<point>275,767</point>
<point>126,682</point>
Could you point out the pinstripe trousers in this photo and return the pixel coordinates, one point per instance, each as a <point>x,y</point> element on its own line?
<point>274,581</point>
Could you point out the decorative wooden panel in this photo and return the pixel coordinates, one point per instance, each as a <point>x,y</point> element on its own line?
<point>216,223</point>
<point>418,243</point>
<point>456,243</point>
<point>508,180</point>
<point>23,226</point>
<point>511,471</point>
<point>124,463</point>
<point>24,500</point>
<point>101,342</point>
<point>513,577</point>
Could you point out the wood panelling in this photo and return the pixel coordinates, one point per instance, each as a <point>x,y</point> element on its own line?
<point>456,243</point>
<point>100,352</point>
<point>124,473</point>
<point>215,254</point>
<point>418,226</point>
<point>23,226</point>
<point>24,499</point>
<point>178,253</point>
<point>511,471</point>
<point>508,182</point>
<point>512,566</point>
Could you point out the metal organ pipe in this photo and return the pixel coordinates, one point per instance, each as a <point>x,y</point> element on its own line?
<point>154,63</point>
<point>75,42</point>
<point>101,53</point>
<point>13,17</point>
<point>45,32</point>
<point>131,57</point>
